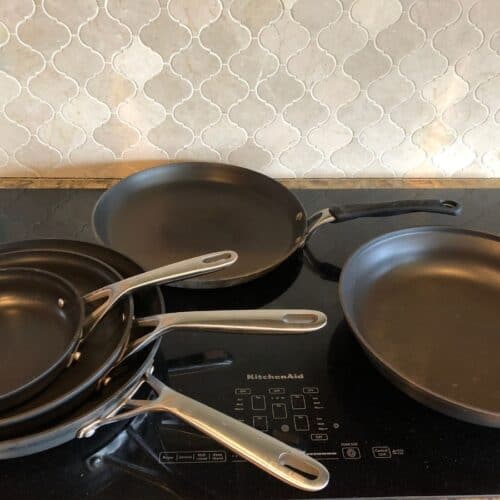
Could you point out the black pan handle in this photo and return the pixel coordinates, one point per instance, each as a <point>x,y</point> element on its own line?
<point>341,213</point>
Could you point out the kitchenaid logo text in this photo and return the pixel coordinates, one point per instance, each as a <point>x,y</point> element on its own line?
<point>269,376</point>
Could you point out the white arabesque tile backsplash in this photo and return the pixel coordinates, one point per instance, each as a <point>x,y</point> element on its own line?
<point>292,88</point>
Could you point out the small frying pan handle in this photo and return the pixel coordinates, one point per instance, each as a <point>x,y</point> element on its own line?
<point>253,321</point>
<point>342,213</point>
<point>184,269</point>
<point>288,464</point>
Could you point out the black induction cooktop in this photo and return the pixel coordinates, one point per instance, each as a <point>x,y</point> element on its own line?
<point>317,392</point>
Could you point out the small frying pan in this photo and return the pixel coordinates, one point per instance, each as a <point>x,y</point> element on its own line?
<point>424,304</point>
<point>35,305</point>
<point>179,210</point>
<point>43,319</point>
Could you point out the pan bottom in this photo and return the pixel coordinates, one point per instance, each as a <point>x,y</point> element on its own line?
<point>437,324</point>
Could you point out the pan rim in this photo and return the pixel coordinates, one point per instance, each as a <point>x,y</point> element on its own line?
<point>58,432</point>
<point>74,340</point>
<point>480,413</point>
<point>207,283</point>
<point>19,418</point>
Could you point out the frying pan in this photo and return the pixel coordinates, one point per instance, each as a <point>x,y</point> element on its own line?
<point>35,304</point>
<point>265,451</point>
<point>180,210</point>
<point>85,272</point>
<point>423,303</point>
<point>106,343</point>
<point>47,311</point>
<point>105,348</point>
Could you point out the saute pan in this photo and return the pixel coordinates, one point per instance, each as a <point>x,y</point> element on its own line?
<point>179,210</point>
<point>424,304</point>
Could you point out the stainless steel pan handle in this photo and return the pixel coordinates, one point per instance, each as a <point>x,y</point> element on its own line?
<point>253,321</point>
<point>189,268</point>
<point>288,464</point>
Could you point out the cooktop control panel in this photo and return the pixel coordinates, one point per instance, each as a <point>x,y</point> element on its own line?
<point>292,412</point>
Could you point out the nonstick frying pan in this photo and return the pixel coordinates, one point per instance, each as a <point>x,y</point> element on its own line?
<point>35,304</point>
<point>43,319</point>
<point>179,210</point>
<point>65,257</point>
<point>268,453</point>
<point>424,304</point>
<point>107,342</point>
<point>288,321</point>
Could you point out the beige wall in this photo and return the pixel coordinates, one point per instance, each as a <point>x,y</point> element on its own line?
<point>306,88</point>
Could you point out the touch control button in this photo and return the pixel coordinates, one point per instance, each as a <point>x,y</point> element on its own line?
<point>201,456</point>
<point>351,452</point>
<point>184,456</point>
<point>279,411</point>
<point>298,402</point>
<point>260,422</point>
<point>310,390</point>
<point>258,402</point>
<point>276,390</point>
<point>218,456</point>
<point>243,391</point>
<point>301,422</point>
<point>319,437</point>
<point>381,452</point>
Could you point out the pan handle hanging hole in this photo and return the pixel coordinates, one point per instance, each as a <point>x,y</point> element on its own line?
<point>449,204</point>
<point>302,319</point>
<point>60,303</point>
<point>217,258</point>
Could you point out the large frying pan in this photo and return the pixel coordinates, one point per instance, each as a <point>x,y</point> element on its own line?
<point>424,304</point>
<point>181,210</point>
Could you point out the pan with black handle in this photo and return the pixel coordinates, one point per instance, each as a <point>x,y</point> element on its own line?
<point>181,209</point>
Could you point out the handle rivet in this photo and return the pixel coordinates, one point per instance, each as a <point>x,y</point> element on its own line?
<point>96,462</point>
<point>299,216</point>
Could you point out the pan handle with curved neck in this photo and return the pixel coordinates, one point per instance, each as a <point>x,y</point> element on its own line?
<point>342,213</point>
<point>248,321</point>
<point>287,464</point>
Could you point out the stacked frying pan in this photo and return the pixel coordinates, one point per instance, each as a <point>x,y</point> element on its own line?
<point>77,364</point>
<point>73,340</point>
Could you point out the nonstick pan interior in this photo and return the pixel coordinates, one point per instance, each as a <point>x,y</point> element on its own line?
<point>174,212</point>
<point>41,321</point>
<point>48,434</point>
<point>423,302</point>
<point>106,341</point>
